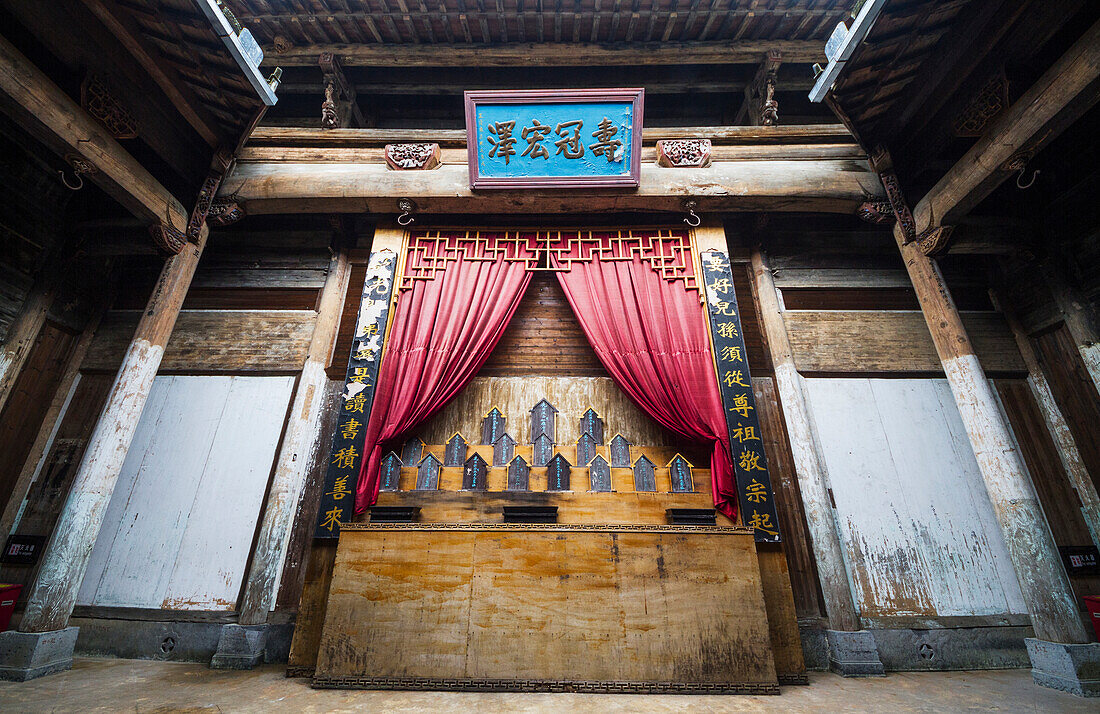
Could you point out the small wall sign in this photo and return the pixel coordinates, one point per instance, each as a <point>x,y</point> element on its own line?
<point>22,549</point>
<point>569,138</point>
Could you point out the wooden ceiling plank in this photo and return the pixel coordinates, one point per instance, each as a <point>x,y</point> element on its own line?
<point>1065,91</point>
<point>125,31</point>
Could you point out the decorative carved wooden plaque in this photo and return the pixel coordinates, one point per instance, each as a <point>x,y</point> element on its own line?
<point>411,451</point>
<point>455,454</point>
<point>412,157</point>
<point>492,426</point>
<point>586,448</point>
<point>579,138</point>
<point>599,474</point>
<point>644,479</point>
<point>427,474</point>
<point>543,420</point>
<point>680,472</point>
<point>592,424</point>
<point>620,451</point>
<point>518,475</point>
<point>390,475</point>
<point>475,473</point>
<point>503,450</point>
<point>557,473</point>
<point>683,153</point>
<point>542,450</point>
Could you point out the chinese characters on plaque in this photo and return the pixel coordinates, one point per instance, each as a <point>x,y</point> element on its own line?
<point>754,490</point>
<point>347,453</point>
<point>562,138</point>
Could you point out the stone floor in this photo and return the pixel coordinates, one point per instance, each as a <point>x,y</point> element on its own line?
<point>115,685</point>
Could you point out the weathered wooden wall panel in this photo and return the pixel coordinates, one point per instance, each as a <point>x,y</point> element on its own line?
<point>571,396</point>
<point>179,528</point>
<point>546,603</point>
<point>838,341</point>
<point>214,341</point>
<point>918,527</point>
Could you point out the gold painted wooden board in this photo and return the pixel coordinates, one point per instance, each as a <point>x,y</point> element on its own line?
<point>540,607</point>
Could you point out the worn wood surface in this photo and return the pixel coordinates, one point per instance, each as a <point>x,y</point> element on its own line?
<point>179,528</point>
<point>828,185</point>
<point>51,600</point>
<point>301,443</point>
<point>46,111</point>
<point>31,396</point>
<point>585,605</point>
<point>1062,94</point>
<point>782,616</point>
<point>1062,503</point>
<point>1042,579</point>
<point>540,54</point>
<point>1075,393</point>
<point>310,619</point>
<point>809,463</point>
<point>22,337</point>
<point>891,341</point>
<point>215,341</point>
<point>919,532</point>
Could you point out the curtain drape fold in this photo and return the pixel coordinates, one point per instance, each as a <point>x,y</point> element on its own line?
<point>443,330</point>
<point>651,335</point>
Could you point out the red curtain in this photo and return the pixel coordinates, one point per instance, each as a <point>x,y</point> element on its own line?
<point>651,334</point>
<point>442,332</point>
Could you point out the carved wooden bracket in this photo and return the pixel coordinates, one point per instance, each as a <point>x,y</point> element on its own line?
<point>760,101</point>
<point>97,100</point>
<point>224,212</point>
<point>412,157</point>
<point>934,241</point>
<point>168,238</point>
<point>877,212</point>
<point>884,165</point>
<point>219,166</point>
<point>340,107</point>
<point>683,153</point>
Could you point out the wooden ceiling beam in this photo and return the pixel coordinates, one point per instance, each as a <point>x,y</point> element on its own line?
<point>547,54</point>
<point>1065,91</point>
<point>29,97</point>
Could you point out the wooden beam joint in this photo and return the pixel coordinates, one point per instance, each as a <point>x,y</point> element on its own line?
<point>340,107</point>
<point>884,166</point>
<point>760,105</point>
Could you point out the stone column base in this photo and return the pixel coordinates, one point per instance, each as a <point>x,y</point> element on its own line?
<point>27,655</point>
<point>240,647</point>
<point>854,654</point>
<point>1069,668</point>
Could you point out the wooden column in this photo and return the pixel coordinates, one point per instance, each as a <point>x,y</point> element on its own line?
<point>54,592</point>
<point>301,440</point>
<point>809,463</point>
<point>1080,317</point>
<point>22,334</point>
<point>1043,580</point>
<point>1060,433</point>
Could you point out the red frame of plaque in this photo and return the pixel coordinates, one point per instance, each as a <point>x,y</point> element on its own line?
<point>636,96</point>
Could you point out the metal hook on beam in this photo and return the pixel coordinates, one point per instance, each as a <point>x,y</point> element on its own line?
<point>692,219</point>
<point>406,206</point>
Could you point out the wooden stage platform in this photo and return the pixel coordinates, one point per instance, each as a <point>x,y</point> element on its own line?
<point>546,607</point>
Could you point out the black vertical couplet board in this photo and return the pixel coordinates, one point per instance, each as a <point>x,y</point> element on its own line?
<point>475,473</point>
<point>391,472</point>
<point>542,420</point>
<point>492,426</point>
<point>586,448</point>
<point>504,449</point>
<point>427,474</point>
<point>679,471</point>
<point>644,478</point>
<point>542,450</point>
<point>599,474</point>
<point>345,457</point>
<point>557,474</point>
<point>592,425</point>
<point>750,465</point>
<point>620,451</point>
<point>519,475</point>
<point>455,453</point>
